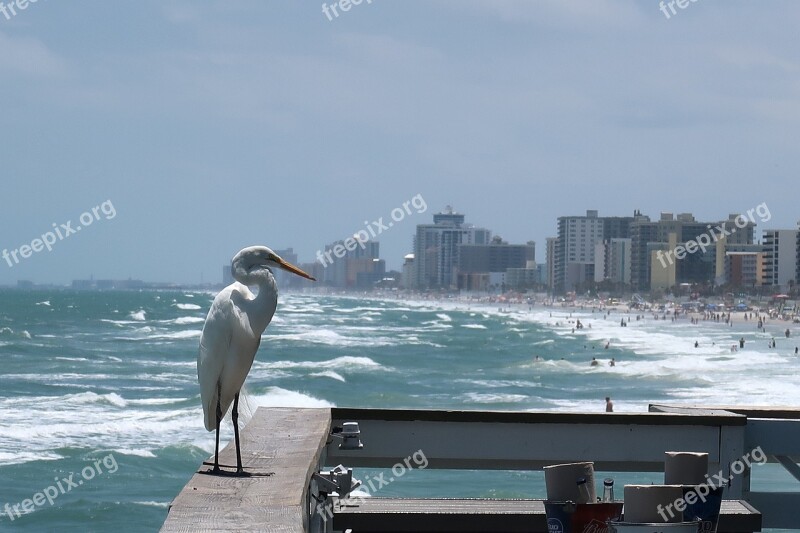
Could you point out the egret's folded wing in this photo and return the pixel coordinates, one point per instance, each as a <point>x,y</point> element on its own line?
<point>215,343</point>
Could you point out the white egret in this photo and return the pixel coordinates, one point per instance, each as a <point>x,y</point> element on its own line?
<point>232,334</point>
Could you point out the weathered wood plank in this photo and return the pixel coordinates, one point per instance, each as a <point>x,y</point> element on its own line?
<point>281,449</point>
<point>442,515</point>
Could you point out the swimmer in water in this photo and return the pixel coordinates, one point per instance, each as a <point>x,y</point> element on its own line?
<point>594,362</point>
<point>612,362</point>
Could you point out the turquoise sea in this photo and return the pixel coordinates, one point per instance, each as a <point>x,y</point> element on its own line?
<point>102,386</point>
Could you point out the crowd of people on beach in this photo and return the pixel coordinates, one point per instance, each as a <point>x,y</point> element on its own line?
<point>675,315</point>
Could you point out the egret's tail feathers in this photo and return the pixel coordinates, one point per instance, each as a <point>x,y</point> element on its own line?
<point>247,406</point>
<point>210,413</point>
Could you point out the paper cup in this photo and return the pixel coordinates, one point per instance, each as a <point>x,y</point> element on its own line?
<point>643,503</point>
<point>561,481</point>
<point>685,468</point>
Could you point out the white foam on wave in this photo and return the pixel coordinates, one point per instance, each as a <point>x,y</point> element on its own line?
<point>136,452</point>
<point>119,323</point>
<point>278,397</point>
<point>329,374</point>
<point>490,398</point>
<point>188,307</point>
<point>163,505</point>
<point>8,332</point>
<point>363,310</point>
<point>184,320</point>
<point>39,425</point>
<point>347,362</point>
<point>498,383</point>
<point>139,315</point>
<point>176,335</point>
<point>330,337</point>
<point>444,317</point>
<point>473,326</point>
<point>45,303</point>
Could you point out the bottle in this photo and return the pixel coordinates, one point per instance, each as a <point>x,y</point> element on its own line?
<point>583,491</point>
<point>608,490</point>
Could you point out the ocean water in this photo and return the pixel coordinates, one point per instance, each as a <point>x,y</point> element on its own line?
<point>103,386</point>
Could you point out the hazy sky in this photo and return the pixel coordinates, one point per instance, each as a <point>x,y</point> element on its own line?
<point>212,125</point>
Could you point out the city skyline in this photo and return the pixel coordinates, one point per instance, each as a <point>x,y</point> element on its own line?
<point>212,126</point>
<point>760,236</point>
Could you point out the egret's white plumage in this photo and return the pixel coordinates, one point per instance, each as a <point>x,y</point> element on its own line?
<point>232,332</point>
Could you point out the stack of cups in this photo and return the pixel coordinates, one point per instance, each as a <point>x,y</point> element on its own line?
<point>570,509</point>
<point>685,499</point>
<point>700,500</point>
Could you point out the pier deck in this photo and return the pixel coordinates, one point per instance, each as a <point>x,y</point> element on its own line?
<point>283,447</point>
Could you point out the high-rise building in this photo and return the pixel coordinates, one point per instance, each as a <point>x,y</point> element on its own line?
<point>654,243</point>
<point>612,261</point>
<point>797,261</point>
<point>408,272</point>
<point>574,250</point>
<point>352,263</point>
<point>744,268</point>
<point>496,257</point>
<point>780,257</point>
<point>550,259</point>
<point>436,248</point>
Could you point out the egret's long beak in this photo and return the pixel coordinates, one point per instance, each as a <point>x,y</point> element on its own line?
<point>294,270</point>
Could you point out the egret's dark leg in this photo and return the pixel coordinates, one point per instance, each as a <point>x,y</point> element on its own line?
<point>219,420</point>
<point>235,419</point>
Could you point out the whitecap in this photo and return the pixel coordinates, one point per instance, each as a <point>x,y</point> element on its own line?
<point>278,397</point>
<point>139,315</point>
<point>164,505</point>
<point>185,320</point>
<point>188,307</point>
<point>136,452</point>
<point>329,374</point>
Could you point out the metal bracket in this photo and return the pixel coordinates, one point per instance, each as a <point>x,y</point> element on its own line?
<point>339,480</point>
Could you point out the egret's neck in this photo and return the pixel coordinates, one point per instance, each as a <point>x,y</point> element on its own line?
<point>264,304</point>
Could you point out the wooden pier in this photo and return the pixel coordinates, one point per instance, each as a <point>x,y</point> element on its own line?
<point>284,447</point>
<point>281,448</point>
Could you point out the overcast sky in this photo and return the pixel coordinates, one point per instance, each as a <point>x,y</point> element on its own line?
<point>213,125</point>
